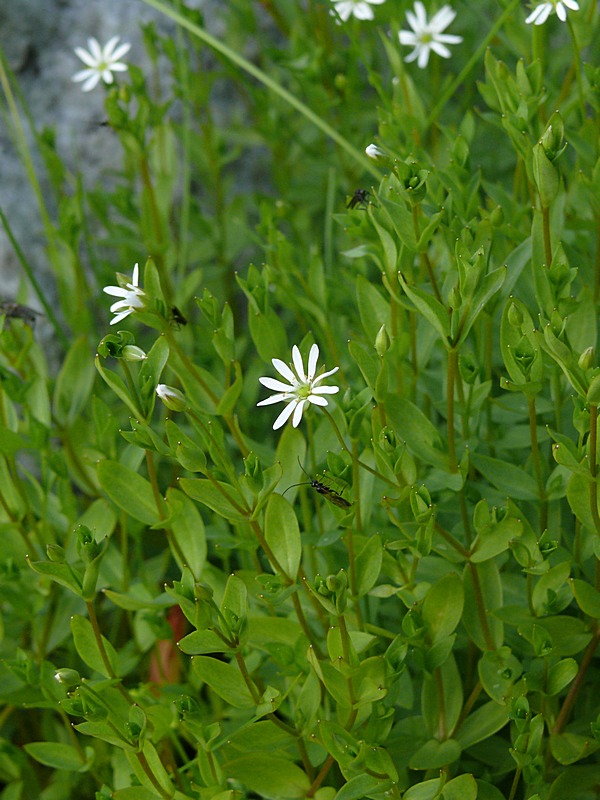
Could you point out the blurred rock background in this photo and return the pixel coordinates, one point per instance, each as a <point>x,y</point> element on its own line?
<point>38,38</point>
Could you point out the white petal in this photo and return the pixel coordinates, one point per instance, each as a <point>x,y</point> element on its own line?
<point>298,365</point>
<point>420,15</point>
<point>376,2</point>
<point>407,38</point>
<point>440,49</point>
<point>448,38</point>
<point>121,51</point>
<point>121,316</point>
<point>298,411</point>
<point>283,369</point>
<point>118,67</point>
<point>363,11</point>
<point>83,75</point>
<point>325,390</point>
<point>414,22</point>
<point>86,57</point>
<point>95,50</point>
<point>442,19</point>
<point>423,56</point>
<point>285,415</point>
<point>561,12</point>
<point>324,375</point>
<point>107,76</point>
<point>412,56</point>
<point>116,291</point>
<point>118,305</point>
<point>276,386</point>
<point>275,398</point>
<point>318,401</point>
<point>572,4</point>
<point>91,82</point>
<point>107,52</point>
<point>313,357</point>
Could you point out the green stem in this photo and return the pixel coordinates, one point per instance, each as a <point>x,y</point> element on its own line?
<point>546,232</point>
<point>577,683</point>
<point>452,376</point>
<point>481,609</point>
<point>268,82</point>
<point>458,81</point>
<point>577,65</point>
<point>152,777</point>
<point>537,464</point>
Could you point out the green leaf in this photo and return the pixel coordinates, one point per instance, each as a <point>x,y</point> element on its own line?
<point>509,479</point>
<point>498,672</point>
<point>269,776</point>
<point>361,786</point>
<point>134,793</point>
<point>200,642</point>
<point>412,426</point>
<point>225,680</point>
<point>487,720</point>
<point>374,309</point>
<point>367,361</point>
<point>87,647</point>
<point>283,534</point>
<point>58,756</point>
<point>150,372</point>
<point>435,755</point>
<point>463,787</point>
<point>427,790</point>
<point>61,573</point>
<point>74,383</point>
<point>218,496</point>
<point>560,676</point>
<point>443,607</point>
<point>567,748</point>
<point>117,384</point>
<point>495,539</point>
<point>367,565</point>
<point>488,287</point>
<point>431,308</point>
<point>129,491</point>
<point>587,597</point>
<point>188,531</point>
<point>232,393</point>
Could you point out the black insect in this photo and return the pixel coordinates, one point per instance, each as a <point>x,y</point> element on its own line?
<point>359,198</point>
<point>17,311</point>
<point>328,493</point>
<point>177,317</point>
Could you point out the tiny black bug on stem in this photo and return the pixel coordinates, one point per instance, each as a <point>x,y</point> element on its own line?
<point>177,317</point>
<point>328,493</point>
<point>359,198</point>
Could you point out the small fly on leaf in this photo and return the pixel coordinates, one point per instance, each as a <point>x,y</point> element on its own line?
<point>17,311</point>
<point>328,493</point>
<point>177,317</point>
<point>359,199</point>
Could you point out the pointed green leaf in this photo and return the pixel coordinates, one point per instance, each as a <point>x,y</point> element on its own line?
<point>129,491</point>
<point>283,534</point>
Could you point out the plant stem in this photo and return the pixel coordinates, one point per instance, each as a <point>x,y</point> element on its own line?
<point>546,232</point>
<point>577,683</point>
<point>452,375</point>
<point>537,463</point>
<point>481,609</point>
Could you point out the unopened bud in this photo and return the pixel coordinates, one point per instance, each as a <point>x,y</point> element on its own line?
<point>588,358</point>
<point>171,397</point>
<point>382,342</point>
<point>376,153</point>
<point>131,352</point>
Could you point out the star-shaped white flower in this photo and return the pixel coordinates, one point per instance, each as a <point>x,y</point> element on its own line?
<point>101,62</point>
<point>540,13</point>
<point>132,296</point>
<point>303,387</point>
<point>361,9</point>
<point>427,35</point>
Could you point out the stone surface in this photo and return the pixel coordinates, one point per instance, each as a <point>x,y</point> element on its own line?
<point>38,38</point>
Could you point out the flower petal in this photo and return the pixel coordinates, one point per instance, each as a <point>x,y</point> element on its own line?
<point>275,385</point>
<point>298,411</point>
<point>442,19</point>
<point>285,415</point>
<point>325,390</point>
<point>319,378</point>
<point>275,398</point>
<point>317,400</point>
<point>313,357</point>
<point>298,365</point>
<point>283,369</point>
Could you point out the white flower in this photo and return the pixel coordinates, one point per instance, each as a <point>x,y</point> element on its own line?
<point>133,297</point>
<point>101,62</point>
<point>361,9</point>
<point>303,387</point>
<point>540,13</point>
<point>427,35</point>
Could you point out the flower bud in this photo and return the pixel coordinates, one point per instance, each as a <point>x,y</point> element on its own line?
<point>171,397</point>
<point>376,153</point>
<point>382,342</point>
<point>588,358</point>
<point>69,678</point>
<point>132,352</point>
<point>515,317</point>
<point>593,393</point>
<point>55,553</point>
